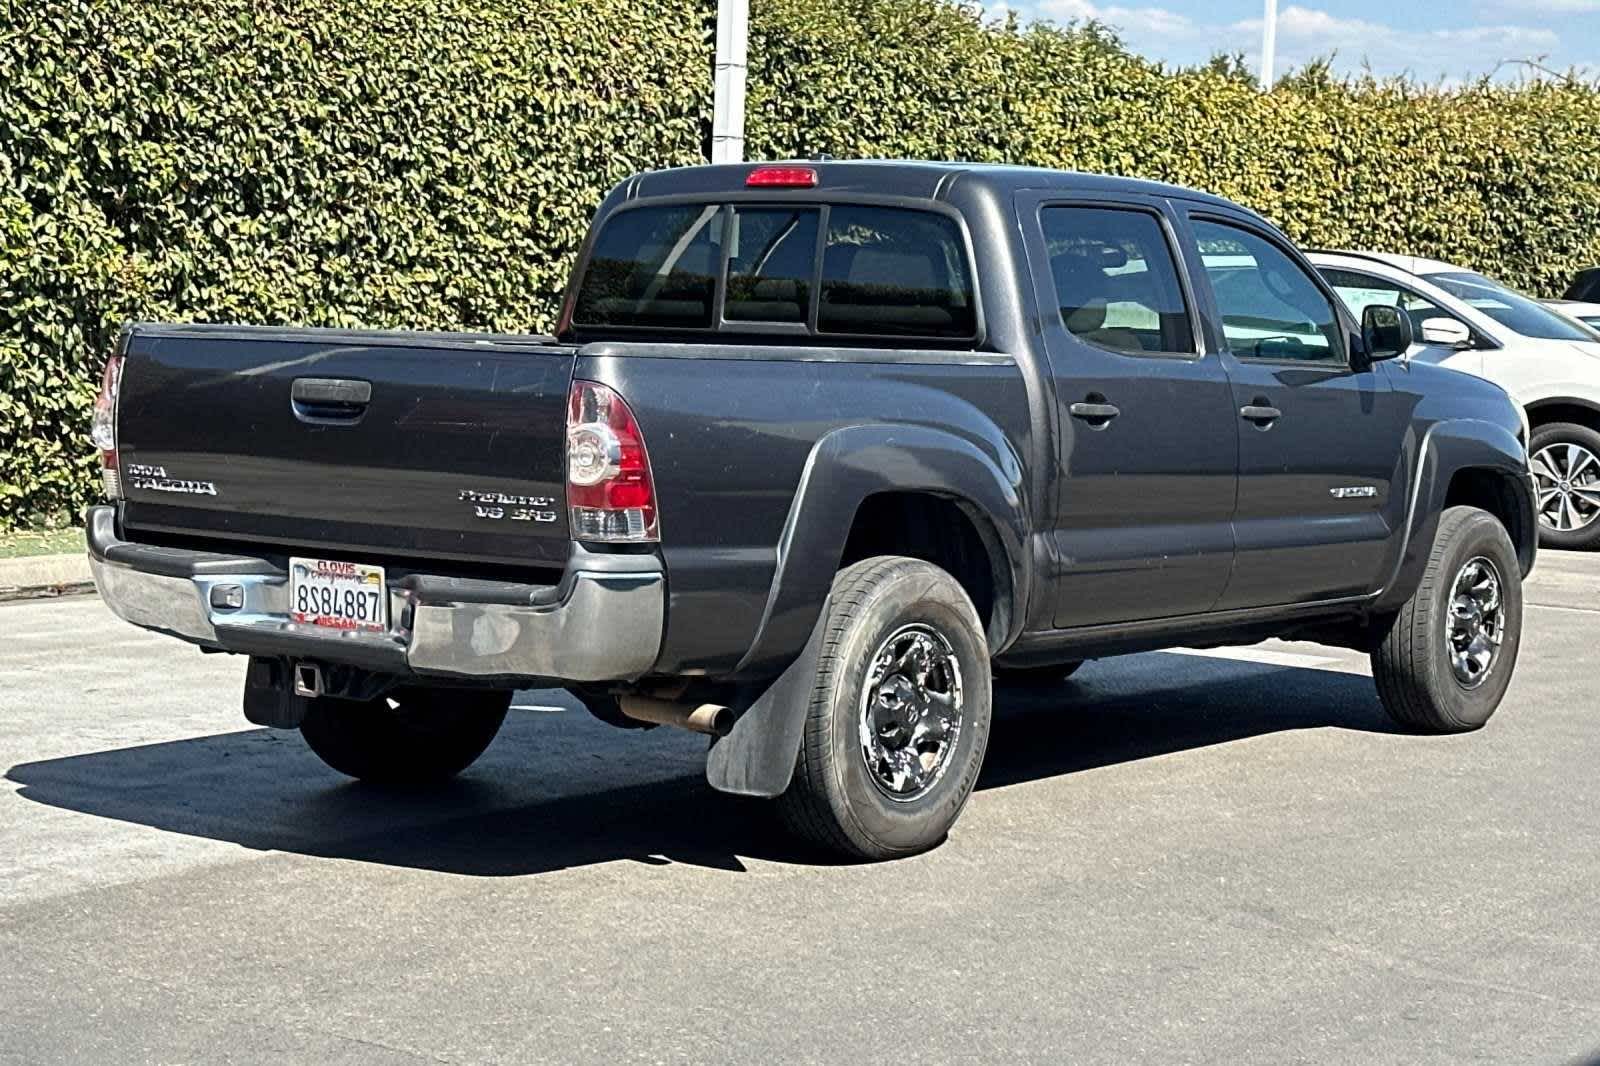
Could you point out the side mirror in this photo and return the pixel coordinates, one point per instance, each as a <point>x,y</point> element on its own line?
<point>1446,333</point>
<point>1386,332</point>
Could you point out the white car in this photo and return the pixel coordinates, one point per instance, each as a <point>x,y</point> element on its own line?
<point>1548,362</point>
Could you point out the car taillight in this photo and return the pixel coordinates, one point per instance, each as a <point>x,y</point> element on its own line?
<point>103,429</point>
<point>610,492</point>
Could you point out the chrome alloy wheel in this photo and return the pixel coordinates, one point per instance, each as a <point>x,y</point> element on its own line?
<point>911,711</point>
<point>1477,622</point>
<point>1568,477</point>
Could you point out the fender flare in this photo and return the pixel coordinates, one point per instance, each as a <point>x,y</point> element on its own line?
<point>1447,449</point>
<point>851,464</point>
<point>846,467</point>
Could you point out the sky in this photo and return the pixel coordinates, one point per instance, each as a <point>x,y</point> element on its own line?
<point>1439,40</point>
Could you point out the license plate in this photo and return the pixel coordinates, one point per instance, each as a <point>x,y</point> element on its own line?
<point>334,595</point>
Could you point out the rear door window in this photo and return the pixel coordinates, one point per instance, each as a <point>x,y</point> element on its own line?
<point>894,272</point>
<point>1116,280</point>
<point>654,266</point>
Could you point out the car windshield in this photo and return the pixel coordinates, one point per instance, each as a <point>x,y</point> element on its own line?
<point>1583,312</point>
<point>1516,312</point>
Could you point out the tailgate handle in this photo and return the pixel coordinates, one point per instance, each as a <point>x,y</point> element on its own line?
<point>329,400</point>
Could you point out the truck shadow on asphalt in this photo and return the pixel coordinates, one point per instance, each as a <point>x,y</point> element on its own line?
<point>558,790</point>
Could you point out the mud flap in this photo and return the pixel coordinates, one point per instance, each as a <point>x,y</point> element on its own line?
<point>269,696</point>
<point>757,757</point>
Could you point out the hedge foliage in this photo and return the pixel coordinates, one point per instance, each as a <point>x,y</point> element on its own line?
<point>433,163</point>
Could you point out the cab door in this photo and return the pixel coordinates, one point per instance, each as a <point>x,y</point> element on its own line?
<point>1321,437</point>
<point>1143,415</point>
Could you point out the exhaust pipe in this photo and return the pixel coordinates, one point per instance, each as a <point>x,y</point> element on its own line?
<point>712,719</point>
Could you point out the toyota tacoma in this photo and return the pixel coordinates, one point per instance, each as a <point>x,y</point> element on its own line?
<point>819,449</point>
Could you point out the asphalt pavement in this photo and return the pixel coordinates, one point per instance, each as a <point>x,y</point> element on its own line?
<point>1219,857</point>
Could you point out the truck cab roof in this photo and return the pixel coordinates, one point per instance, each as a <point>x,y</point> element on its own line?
<point>908,178</point>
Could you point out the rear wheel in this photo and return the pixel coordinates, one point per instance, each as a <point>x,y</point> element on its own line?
<point>1447,659</point>
<point>1566,468</point>
<point>899,715</point>
<point>411,736</point>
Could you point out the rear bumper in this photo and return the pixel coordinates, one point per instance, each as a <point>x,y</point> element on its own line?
<point>603,622</point>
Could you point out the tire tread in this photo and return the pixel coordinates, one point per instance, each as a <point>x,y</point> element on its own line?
<point>813,807</point>
<point>1403,665</point>
<point>805,809</point>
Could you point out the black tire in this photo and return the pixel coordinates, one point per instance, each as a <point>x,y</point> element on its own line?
<point>412,736</point>
<point>1413,666</point>
<point>1586,538</point>
<point>1036,675</point>
<point>834,799</point>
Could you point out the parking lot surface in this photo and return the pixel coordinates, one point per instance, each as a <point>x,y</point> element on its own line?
<point>1220,857</point>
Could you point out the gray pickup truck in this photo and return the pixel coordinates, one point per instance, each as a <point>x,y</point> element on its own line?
<point>818,450</point>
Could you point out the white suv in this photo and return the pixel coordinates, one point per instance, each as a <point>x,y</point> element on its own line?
<point>1549,363</point>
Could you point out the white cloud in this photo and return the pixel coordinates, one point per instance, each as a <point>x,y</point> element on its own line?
<point>1306,33</point>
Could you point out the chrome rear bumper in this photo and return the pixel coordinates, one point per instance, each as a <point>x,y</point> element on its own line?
<point>602,622</point>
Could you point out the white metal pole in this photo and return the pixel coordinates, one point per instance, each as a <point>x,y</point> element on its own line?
<point>1269,44</point>
<point>727,117</point>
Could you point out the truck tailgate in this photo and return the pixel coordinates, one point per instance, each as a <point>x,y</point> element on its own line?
<point>396,444</point>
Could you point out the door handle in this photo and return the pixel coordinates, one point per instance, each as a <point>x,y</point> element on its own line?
<point>325,401</point>
<point>1260,413</point>
<point>1096,414</point>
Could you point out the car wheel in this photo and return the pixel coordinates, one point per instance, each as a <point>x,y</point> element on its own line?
<point>411,736</point>
<point>899,716</point>
<point>1447,659</point>
<point>1566,468</point>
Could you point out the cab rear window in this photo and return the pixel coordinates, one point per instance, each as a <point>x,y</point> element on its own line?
<point>770,255</point>
<point>877,271</point>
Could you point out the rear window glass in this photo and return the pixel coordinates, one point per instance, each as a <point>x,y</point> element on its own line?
<point>882,272</point>
<point>654,266</point>
<point>771,254</point>
<point>895,272</point>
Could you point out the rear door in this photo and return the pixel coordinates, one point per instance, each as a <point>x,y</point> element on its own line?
<point>383,444</point>
<point>1321,444</point>
<point>1145,445</point>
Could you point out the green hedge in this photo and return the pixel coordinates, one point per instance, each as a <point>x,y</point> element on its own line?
<point>433,163</point>
<point>404,163</point>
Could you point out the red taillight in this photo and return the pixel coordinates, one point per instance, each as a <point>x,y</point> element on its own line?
<point>103,429</point>
<point>782,178</point>
<point>610,493</point>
